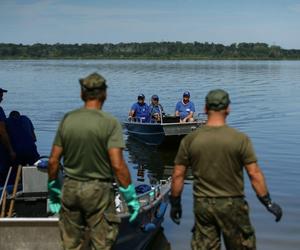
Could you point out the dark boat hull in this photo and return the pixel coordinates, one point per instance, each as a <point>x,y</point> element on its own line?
<point>149,133</point>
<point>160,133</point>
<point>139,234</point>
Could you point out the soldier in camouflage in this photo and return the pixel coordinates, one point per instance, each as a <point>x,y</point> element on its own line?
<point>218,154</point>
<point>91,143</point>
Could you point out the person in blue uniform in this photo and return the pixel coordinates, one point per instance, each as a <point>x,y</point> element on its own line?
<point>7,154</point>
<point>185,108</point>
<point>156,109</point>
<point>21,133</point>
<point>140,110</point>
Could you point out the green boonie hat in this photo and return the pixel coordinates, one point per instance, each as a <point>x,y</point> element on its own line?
<point>217,100</point>
<point>93,81</point>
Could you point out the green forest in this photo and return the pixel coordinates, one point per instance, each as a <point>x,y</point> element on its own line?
<point>148,50</point>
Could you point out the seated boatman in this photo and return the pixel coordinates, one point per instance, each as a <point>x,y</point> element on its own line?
<point>140,110</point>
<point>21,133</point>
<point>185,108</point>
<point>156,109</point>
<point>7,154</point>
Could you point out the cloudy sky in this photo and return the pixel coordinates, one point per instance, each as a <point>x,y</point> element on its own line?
<point>276,22</point>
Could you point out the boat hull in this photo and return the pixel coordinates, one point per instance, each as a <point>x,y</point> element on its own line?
<point>149,133</point>
<point>160,133</point>
<point>33,229</point>
<point>43,233</point>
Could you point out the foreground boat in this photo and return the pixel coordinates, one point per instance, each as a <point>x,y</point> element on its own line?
<point>31,228</point>
<point>170,131</point>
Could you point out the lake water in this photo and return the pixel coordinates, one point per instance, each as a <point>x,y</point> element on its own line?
<point>265,104</point>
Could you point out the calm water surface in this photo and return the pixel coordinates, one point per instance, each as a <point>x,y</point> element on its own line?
<point>265,104</point>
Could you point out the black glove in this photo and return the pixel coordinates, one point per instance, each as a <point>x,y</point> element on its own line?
<point>176,210</point>
<point>271,206</point>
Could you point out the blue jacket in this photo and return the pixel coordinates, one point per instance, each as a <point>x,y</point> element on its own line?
<point>156,109</point>
<point>185,109</point>
<point>141,112</point>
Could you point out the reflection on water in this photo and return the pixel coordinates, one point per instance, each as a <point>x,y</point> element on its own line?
<point>153,159</point>
<point>157,161</point>
<point>151,164</point>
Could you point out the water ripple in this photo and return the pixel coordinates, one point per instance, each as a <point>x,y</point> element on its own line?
<point>265,104</point>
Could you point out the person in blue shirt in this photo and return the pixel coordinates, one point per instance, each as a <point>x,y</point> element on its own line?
<point>156,109</point>
<point>140,110</point>
<point>7,154</point>
<point>21,133</point>
<point>185,109</point>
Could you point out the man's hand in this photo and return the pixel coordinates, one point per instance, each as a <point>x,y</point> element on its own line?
<point>176,210</point>
<point>54,191</point>
<point>271,206</point>
<point>133,204</point>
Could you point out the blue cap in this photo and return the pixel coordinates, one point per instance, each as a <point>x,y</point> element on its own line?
<point>155,97</point>
<point>141,96</point>
<point>3,90</point>
<point>186,93</point>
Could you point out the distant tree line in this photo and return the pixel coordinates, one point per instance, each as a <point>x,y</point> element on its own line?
<point>147,50</point>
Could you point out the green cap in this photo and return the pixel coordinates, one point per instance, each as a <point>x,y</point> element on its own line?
<point>93,81</point>
<point>217,100</point>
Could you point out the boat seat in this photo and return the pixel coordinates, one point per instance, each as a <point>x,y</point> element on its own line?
<point>171,119</point>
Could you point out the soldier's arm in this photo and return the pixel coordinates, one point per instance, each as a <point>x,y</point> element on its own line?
<point>126,188</point>
<point>54,185</point>
<point>53,163</point>
<point>178,180</point>
<point>119,166</point>
<point>259,185</point>
<point>257,179</point>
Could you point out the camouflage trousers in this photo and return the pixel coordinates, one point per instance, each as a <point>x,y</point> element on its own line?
<point>228,217</point>
<point>88,211</point>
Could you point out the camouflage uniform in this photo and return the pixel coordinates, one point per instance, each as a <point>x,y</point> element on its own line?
<point>86,135</point>
<point>217,156</point>
<point>91,204</point>
<point>227,215</point>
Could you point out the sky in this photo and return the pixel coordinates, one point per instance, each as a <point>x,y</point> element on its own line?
<point>276,22</point>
